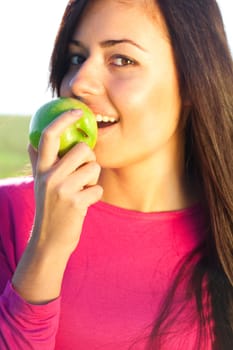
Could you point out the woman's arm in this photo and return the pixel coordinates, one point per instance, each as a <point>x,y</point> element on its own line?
<point>22,325</point>
<point>25,326</point>
<point>64,189</point>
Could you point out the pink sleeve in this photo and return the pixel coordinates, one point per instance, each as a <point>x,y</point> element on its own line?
<point>26,326</point>
<point>22,325</point>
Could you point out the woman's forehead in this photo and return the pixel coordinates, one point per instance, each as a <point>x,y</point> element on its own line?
<point>117,10</point>
<point>147,5</point>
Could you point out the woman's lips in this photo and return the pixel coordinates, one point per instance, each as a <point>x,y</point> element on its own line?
<point>104,121</point>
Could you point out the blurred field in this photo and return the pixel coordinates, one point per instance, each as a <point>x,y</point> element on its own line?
<point>14,160</point>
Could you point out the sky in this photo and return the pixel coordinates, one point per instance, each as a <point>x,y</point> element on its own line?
<point>27,32</point>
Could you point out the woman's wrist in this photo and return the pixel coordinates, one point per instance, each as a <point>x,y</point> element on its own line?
<point>39,274</point>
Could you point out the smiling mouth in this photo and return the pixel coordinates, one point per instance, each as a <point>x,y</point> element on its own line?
<point>105,121</point>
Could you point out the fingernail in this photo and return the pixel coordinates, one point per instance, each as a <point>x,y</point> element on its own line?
<point>76,112</point>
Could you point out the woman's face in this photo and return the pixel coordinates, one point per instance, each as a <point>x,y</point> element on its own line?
<point>121,65</point>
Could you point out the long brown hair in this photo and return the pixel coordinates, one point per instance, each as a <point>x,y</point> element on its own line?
<point>204,65</point>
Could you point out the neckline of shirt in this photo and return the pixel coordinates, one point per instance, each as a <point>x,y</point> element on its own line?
<point>193,210</point>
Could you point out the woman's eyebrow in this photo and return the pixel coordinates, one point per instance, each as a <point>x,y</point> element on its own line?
<point>109,43</point>
<point>77,43</point>
<point>112,42</point>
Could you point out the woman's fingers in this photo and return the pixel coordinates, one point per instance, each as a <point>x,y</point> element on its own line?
<point>84,177</point>
<point>87,197</point>
<point>33,155</point>
<point>50,139</point>
<point>79,155</point>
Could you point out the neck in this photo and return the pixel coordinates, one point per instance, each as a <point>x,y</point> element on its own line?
<point>149,186</point>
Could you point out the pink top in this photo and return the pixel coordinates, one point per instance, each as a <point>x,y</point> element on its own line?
<point>114,283</point>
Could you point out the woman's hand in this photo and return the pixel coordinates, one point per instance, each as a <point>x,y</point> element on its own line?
<point>64,189</point>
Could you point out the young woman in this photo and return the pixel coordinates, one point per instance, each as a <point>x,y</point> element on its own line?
<point>128,246</point>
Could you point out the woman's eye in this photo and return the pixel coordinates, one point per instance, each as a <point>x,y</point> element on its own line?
<point>76,60</point>
<point>121,61</point>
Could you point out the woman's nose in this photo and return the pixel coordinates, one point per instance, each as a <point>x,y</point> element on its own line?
<point>87,81</point>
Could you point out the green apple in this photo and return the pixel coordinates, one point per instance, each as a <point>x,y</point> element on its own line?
<point>83,130</point>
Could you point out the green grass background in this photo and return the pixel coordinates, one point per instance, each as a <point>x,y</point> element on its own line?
<point>14,160</point>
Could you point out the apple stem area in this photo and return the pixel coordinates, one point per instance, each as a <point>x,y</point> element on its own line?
<point>82,132</point>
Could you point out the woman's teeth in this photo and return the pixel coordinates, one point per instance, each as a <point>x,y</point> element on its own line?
<point>102,118</point>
